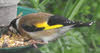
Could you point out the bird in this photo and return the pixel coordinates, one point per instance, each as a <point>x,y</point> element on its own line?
<point>43,26</point>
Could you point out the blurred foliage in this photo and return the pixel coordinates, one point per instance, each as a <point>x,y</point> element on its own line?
<point>78,40</point>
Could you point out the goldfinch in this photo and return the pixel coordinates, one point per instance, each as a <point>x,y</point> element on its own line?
<point>43,26</point>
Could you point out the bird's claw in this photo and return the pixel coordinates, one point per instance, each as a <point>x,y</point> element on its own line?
<point>35,42</point>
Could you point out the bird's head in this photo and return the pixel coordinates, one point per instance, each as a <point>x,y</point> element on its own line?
<point>13,26</point>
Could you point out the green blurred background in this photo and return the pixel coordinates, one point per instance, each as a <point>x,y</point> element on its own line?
<point>78,40</point>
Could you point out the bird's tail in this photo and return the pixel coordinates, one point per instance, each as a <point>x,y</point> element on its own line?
<point>78,24</point>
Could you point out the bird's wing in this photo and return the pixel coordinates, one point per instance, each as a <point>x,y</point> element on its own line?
<point>31,28</point>
<point>64,21</point>
<point>56,19</point>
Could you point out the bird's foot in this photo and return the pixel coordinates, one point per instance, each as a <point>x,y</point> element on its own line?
<point>35,42</point>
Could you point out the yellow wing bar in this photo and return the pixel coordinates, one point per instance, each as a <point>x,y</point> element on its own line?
<point>47,27</point>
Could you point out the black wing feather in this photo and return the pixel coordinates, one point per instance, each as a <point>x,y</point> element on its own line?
<point>59,20</point>
<point>64,21</point>
<point>31,28</point>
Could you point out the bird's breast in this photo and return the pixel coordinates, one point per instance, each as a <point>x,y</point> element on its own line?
<point>45,34</point>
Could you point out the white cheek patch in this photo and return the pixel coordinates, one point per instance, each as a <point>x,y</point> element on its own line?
<point>12,29</point>
<point>17,22</point>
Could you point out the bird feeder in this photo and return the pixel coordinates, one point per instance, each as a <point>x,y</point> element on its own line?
<point>22,49</point>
